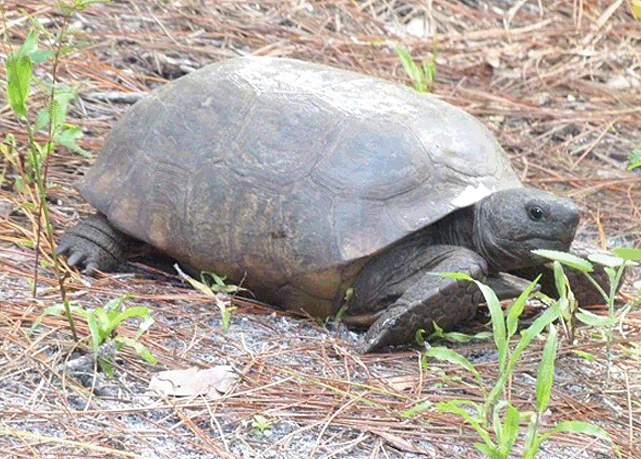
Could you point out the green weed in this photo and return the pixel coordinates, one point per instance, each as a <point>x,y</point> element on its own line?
<point>210,284</point>
<point>422,76</point>
<point>614,267</point>
<point>496,421</point>
<point>34,170</point>
<point>261,426</point>
<point>103,323</point>
<point>29,173</point>
<point>634,159</point>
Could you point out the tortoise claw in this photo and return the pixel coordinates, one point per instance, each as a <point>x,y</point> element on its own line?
<point>92,245</point>
<point>76,258</point>
<point>63,249</point>
<point>91,269</point>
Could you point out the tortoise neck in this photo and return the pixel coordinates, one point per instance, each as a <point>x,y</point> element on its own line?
<point>457,228</point>
<point>495,251</point>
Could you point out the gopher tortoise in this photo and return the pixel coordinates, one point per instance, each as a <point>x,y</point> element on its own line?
<point>309,182</point>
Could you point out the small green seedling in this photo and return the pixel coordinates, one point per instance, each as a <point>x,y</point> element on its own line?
<point>261,426</point>
<point>635,157</point>
<point>211,284</point>
<point>103,322</point>
<point>422,76</point>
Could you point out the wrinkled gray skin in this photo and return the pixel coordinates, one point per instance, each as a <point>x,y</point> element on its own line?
<point>308,181</point>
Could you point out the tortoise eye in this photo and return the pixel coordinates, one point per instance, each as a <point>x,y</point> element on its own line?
<point>536,213</point>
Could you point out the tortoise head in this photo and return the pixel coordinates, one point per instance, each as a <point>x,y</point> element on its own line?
<point>509,224</point>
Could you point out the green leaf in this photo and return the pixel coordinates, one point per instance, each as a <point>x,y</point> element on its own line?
<point>510,431</point>
<point>548,316</point>
<point>516,308</point>
<point>145,353</point>
<point>30,43</point>
<point>134,311</point>
<point>581,428</point>
<point>68,137</point>
<point>138,347</point>
<point>218,283</point>
<point>546,370</point>
<point>454,337</point>
<point>564,307</point>
<point>200,286</point>
<point>575,427</point>
<point>146,323</point>
<point>585,355</point>
<point>39,56</point>
<point>120,316</point>
<point>349,293</point>
<point>529,450</point>
<point>627,253</point>
<point>19,70</point>
<point>412,70</point>
<point>451,356</point>
<point>594,320</point>
<point>225,314</point>
<point>454,275</point>
<point>606,260</point>
<point>458,337</point>
<point>114,304</point>
<point>53,310</point>
<point>489,451</point>
<point>42,119</point>
<point>423,406</point>
<point>585,428</point>
<point>560,281</point>
<point>429,71</point>
<point>635,155</point>
<point>610,272</point>
<point>19,73</point>
<point>95,333</point>
<point>105,366</point>
<point>498,323</point>
<point>566,258</point>
<point>103,322</point>
<point>63,95</point>
<point>454,406</point>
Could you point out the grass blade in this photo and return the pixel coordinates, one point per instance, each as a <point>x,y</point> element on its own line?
<point>546,370</point>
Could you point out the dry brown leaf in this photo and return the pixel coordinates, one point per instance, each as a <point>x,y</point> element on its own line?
<point>211,382</point>
<point>402,383</point>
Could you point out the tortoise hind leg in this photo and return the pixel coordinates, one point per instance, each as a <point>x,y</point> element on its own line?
<point>425,298</point>
<point>93,244</point>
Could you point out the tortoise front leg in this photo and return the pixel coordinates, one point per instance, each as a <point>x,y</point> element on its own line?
<point>417,297</point>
